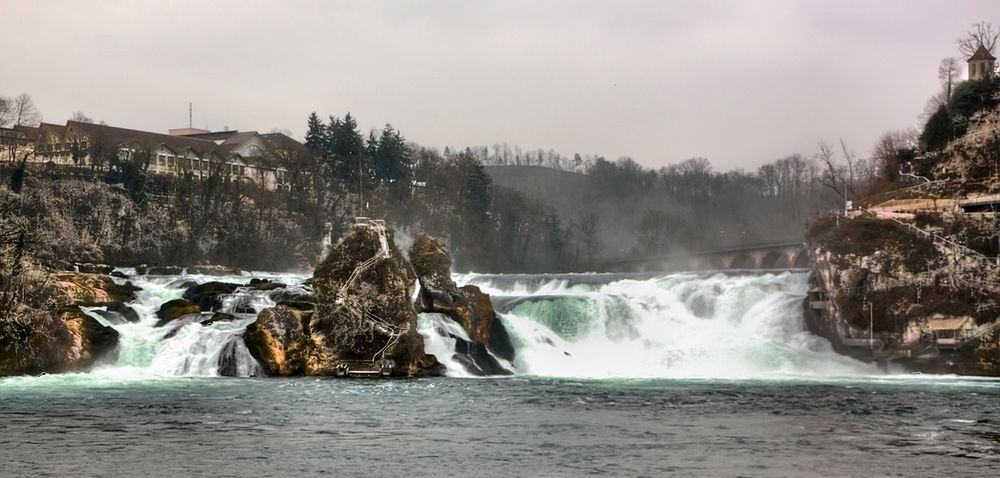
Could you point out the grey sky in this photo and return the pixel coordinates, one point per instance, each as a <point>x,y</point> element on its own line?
<point>740,83</point>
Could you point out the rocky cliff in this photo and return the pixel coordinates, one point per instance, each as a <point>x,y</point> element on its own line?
<point>52,334</point>
<point>928,302</point>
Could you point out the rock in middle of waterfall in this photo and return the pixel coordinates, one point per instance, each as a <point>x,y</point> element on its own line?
<point>364,314</point>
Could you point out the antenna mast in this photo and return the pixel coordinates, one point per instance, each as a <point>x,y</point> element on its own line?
<point>189,116</point>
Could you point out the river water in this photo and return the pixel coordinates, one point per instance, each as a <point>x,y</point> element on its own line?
<point>671,375</point>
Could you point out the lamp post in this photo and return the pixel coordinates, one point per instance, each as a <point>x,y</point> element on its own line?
<point>361,187</point>
<point>871,325</point>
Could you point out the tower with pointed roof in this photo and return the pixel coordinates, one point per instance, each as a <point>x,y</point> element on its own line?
<point>981,64</point>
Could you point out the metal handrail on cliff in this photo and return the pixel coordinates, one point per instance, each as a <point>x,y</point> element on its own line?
<point>382,325</point>
<point>979,334</point>
<point>955,245</point>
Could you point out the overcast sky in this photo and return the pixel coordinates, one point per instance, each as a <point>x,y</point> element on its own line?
<point>740,83</point>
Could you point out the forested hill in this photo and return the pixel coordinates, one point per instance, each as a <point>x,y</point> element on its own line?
<point>557,188</point>
<point>620,209</point>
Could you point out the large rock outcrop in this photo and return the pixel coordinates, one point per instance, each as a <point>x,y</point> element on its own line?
<point>65,340</point>
<point>468,306</point>
<point>895,282</point>
<point>364,314</point>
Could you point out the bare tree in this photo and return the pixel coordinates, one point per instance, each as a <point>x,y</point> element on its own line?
<point>25,111</point>
<point>948,73</point>
<point>589,227</point>
<point>981,33</point>
<point>851,159</point>
<point>6,111</point>
<point>886,154</point>
<point>834,176</point>
<point>80,117</point>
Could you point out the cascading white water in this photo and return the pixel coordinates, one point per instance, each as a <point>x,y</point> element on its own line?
<point>672,326</point>
<point>192,349</point>
<point>437,330</point>
<point>584,325</point>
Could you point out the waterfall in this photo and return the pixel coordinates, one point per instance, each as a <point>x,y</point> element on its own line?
<point>189,346</point>
<point>666,326</point>
<point>573,325</point>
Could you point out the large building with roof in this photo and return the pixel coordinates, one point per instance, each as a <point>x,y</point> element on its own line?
<point>240,156</point>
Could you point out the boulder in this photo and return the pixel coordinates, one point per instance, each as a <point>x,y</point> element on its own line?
<point>174,309</point>
<point>93,343</point>
<point>144,270</point>
<point>66,340</point>
<point>207,295</point>
<point>235,360</point>
<point>266,286</point>
<point>476,359</point>
<point>299,295</point>
<point>218,317</point>
<point>468,306</point>
<point>298,304</point>
<point>73,288</point>
<point>278,340</point>
<point>296,298</point>
<point>118,313</point>
<point>89,268</point>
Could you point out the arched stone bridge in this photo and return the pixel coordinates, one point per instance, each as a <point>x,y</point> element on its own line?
<point>782,255</point>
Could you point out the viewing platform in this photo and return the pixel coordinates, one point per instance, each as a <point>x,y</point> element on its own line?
<point>363,368</point>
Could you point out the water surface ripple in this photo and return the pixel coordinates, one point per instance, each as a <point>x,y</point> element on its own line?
<point>58,426</point>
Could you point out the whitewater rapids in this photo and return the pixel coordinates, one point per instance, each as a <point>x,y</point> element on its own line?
<point>599,326</point>
<point>669,326</point>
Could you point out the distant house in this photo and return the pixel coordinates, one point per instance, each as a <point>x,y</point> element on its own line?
<point>950,332</point>
<point>17,143</point>
<point>981,64</point>
<point>240,156</point>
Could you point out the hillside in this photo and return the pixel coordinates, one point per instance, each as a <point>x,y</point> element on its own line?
<point>563,190</point>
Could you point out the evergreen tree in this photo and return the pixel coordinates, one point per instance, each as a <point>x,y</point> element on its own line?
<point>348,148</point>
<point>315,133</point>
<point>391,159</point>
<point>937,131</point>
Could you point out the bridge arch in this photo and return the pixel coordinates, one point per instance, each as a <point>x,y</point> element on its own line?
<point>741,261</point>
<point>801,260</point>
<point>771,260</point>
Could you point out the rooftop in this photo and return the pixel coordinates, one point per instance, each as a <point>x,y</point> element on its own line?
<point>981,54</point>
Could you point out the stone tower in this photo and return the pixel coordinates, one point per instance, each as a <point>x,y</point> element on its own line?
<point>981,64</point>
